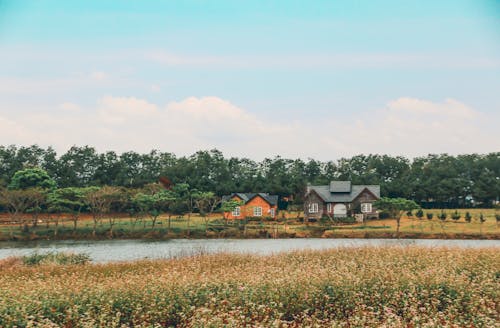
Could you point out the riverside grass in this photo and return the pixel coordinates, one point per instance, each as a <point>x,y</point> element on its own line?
<point>360,287</point>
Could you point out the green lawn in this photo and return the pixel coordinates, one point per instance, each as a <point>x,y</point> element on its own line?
<point>180,227</point>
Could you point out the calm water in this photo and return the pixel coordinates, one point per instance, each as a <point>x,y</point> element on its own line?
<point>126,250</point>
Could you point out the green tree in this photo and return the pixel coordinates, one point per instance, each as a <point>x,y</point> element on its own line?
<point>70,200</point>
<point>468,217</point>
<point>32,178</point>
<point>429,216</point>
<point>456,216</point>
<point>396,207</point>
<point>419,214</point>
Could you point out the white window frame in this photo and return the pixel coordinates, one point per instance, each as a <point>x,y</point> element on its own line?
<point>272,212</point>
<point>313,208</point>
<point>257,211</point>
<point>329,208</point>
<point>366,207</point>
<point>236,211</point>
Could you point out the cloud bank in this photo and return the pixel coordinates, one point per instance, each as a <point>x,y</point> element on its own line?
<point>404,126</point>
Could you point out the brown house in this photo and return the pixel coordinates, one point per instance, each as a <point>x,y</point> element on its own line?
<point>341,199</point>
<point>253,205</point>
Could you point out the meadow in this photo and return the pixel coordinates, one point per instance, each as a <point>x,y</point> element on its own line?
<point>363,287</point>
<point>288,225</point>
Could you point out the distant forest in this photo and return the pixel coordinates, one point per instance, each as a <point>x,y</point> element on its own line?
<point>433,181</point>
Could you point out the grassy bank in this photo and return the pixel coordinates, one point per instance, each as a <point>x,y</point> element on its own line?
<point>395,287</point>
<point>285,227</point>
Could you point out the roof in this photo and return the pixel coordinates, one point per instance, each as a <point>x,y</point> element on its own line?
<point>340,186</point>
<point>246,197</point>
<point>343,197</point>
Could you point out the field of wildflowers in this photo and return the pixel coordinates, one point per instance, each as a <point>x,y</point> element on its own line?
<point>363,287</point>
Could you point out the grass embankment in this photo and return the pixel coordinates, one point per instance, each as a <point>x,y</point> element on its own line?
<point>288,227</point>
<point>365,287</point>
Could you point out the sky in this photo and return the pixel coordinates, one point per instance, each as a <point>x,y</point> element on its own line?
<point>300,79</point>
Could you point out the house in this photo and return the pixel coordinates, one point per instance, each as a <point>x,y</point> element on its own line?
<point>253,205</point>
<point>341,199</point>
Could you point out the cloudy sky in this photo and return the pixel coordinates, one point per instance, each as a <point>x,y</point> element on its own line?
<point>320,79</point>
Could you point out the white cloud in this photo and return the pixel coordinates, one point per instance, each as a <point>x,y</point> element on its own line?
<point>98,76</point>
<point>69,106</point>
<point>405,126</point>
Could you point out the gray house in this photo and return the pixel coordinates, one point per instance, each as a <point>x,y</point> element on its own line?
<point>341,199</point>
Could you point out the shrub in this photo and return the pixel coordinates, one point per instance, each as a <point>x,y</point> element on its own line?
<point>455,216</point>
<point>481,218</point>
<point>409,214</point>
<point>420,213</point>
<point>348,219</point>
<point>383,215</point>
<point>429,216</point>
<point>497,217</point>
<point>443,216</point>
<point>468,217</point>
<point>55,258</point>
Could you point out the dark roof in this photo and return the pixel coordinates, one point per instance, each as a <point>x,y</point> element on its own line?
<point>246,197</point>
<point>340,186</point>
<point>325,192</point>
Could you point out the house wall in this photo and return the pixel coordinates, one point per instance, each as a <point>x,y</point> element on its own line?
<point>247,209</point>
<point>365,197</point>
<point>312,197</point>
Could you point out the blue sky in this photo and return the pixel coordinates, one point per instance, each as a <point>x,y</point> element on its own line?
<point>320,79</point>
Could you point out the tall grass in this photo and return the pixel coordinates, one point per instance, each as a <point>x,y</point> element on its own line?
<point>364,287</point>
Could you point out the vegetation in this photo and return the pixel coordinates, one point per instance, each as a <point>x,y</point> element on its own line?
<point>287,225</point>
<point>365,287</point>
<point>396,207</point>
<point>55,258</point>
<point>434,181</point>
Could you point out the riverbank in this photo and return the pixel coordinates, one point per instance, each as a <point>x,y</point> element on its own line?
<point>123,227</point>
<point>368,286</point>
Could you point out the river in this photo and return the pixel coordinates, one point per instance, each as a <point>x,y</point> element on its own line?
<point>127,250</point>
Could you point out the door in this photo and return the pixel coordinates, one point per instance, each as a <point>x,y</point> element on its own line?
<point>340,210</point>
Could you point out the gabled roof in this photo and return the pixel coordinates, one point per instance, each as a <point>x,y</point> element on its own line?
<point>246,197</point>
<point>343,197</point>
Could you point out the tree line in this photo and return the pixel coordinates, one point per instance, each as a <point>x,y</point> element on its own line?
<point>435,180</point>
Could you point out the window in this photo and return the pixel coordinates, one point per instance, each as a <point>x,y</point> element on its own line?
<point>313,208</point>
<point>329,207</point>
<point>236,211</point>
<point>366,207</point>
<point>257,211</point>
<point>271,211</point>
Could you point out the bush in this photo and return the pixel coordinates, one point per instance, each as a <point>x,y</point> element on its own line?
<point>56,258</point>
<point>497,217</point>
<point>383,215</point>
<point>455,216</point>
<point>419,214</point>
<point>429,216</point>
<point>443,216</point>
<point>348,219</point>
<point>481,218</point>
<point>468,217</point>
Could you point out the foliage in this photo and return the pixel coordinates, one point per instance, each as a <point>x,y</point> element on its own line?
<point>366,287</point>
<point>429,215</point>
<point>56,258</point>
<point>468,217</point>
<point>420,213</point>
<point>32,178</point>
<point>437,181</point>
<point>455,216</point>
<point>442,216</point>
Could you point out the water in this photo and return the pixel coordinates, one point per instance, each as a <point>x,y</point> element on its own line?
<point>127,250</point>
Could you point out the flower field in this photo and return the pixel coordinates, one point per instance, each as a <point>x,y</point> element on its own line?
<point>363,287</point>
